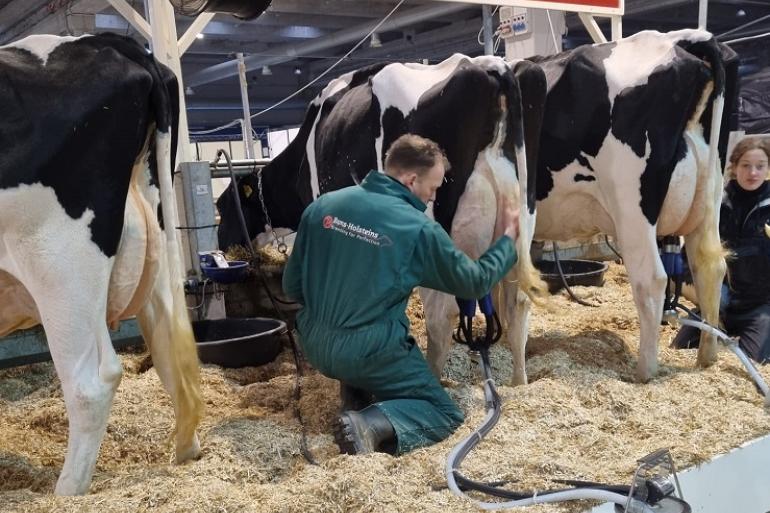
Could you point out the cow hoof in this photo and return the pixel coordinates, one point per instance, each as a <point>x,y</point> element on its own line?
<point>69,487</point>
<point>193,452</point>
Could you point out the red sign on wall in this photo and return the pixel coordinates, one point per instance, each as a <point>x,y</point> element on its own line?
<point>596,3</point>
<point>601,7</point>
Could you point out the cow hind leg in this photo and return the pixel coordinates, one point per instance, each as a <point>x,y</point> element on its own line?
<point>73,316</point>
<point>706,258</point>
<point>440,309</point>
<point>648,284</point>
<point>167,332</point>
<point>514,313</point>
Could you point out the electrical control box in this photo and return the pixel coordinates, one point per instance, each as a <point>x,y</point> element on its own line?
<point>514,22</point>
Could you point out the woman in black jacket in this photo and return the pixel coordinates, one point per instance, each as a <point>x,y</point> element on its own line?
<point>744,226</point>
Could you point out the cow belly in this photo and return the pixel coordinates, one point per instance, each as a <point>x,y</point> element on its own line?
<point>136,262</point>
<point>17,308</point>
<point>575,207</point>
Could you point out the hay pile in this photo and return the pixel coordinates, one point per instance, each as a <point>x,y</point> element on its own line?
<point>268,255</point>
<point>582,416</point>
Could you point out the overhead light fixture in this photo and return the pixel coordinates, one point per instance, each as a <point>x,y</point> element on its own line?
<point>200,35</point>
<point>189,91</point>
<point>375,42</point>
<point>297,71</point>
<point>741,13</point>
<point>266,70</point>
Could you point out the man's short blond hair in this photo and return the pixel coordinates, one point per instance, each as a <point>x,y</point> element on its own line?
<point>413,153</point>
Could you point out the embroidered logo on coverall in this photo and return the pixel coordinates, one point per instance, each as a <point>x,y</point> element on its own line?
<point>355,231</point>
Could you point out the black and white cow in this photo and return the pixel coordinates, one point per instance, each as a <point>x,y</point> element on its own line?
<point>82,172</point>
<point>470,106</point>
<point>623,150</point>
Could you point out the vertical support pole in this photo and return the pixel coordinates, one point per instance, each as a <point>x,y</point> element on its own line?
<point>166,50</point>
<point>248,138</point>
<point>486,13</point>
<point>703,12</point>
<point>617,27</point>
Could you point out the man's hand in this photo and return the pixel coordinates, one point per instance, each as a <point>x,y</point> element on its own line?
<point>507,219</point>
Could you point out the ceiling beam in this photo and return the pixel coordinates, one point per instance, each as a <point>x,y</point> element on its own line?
<point>424,45</point>
<point>21,18</point>
<point>291,52</point>
<point>354,8</point>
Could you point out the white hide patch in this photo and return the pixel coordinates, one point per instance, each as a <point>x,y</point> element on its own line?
<point>336,85</point>
<point>685,190</point>
<point>41,45</point>
<point>581,209</point>
<point>633,59</point>
<point>402,85</point>
<point>43,245</point>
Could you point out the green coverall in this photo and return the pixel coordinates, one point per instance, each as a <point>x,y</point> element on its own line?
<point>358,254</point>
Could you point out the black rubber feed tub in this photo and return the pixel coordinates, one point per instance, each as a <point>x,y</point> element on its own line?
<point>576,272</point>
<point>239,342</point>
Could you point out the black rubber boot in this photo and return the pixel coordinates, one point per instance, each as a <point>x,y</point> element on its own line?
<point>363,432</point>
<point>353,398</point>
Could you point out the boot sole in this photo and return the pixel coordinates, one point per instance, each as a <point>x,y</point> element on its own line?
<point>346,437</point>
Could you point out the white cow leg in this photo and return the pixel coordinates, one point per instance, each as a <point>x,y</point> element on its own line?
<point>440,308</point>
<point>707,263</point>
<point>648,283</point>
<point>517,306</point>
<point>168,334</point>
<point>73,315</point>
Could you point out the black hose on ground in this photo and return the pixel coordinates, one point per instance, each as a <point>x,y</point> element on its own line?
<point>564,280</point>
<point>607,242</point>
<point>294,347</point>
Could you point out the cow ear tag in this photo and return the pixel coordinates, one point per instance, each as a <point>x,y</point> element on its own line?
<point>767,230</point>
<point>247,190</point>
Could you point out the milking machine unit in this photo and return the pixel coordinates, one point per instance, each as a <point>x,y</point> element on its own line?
<point>654,483</point>
<point>671,256</point>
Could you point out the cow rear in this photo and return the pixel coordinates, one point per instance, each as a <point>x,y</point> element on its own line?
<point>86,247</point>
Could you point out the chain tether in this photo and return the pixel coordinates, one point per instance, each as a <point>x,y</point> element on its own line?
<point>278,241</point>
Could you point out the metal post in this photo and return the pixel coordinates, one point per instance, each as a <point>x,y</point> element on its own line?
<point>703,11</point>
<point>592,27</point>
<point>132,17</point>
<point>617,27</point>
<point>166,50</point>
<point>488,32</point>
<point>248,138</point>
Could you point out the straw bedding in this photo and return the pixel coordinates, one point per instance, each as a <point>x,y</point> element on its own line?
<point>582,416</point>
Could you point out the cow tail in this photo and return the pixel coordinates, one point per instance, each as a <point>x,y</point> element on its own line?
<point>184,366</point>
<point>525,120</point>
<point>723,63</point>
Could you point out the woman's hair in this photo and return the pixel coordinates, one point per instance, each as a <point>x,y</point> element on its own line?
<point>413,153</point>
<point>744,145</point>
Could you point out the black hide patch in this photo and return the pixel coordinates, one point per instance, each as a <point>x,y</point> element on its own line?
<point>577,110</point>
<point>78,124</point>
<point>459,113</point>
<point>286,180</point>
<point>656,114</point>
